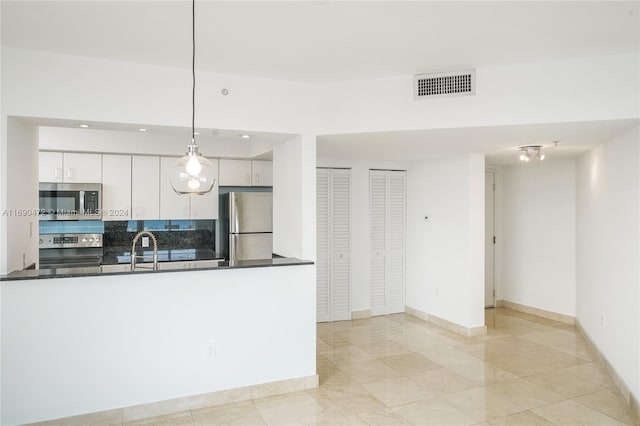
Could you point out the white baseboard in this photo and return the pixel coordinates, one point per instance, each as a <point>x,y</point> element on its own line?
<point>355,315</point>
<point>621,385</point>
<point>554,316</point>
<point>154,409</point>
<point>566,319</point>
<point>447,325</point>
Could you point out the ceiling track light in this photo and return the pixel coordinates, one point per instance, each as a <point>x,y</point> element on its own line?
<point>529,152</point>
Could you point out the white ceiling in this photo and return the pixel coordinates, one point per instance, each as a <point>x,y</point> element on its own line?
<point>499,143</point>
<point>325,41</point>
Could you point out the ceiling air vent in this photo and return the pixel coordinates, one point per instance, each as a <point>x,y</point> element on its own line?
<point>457,83</point>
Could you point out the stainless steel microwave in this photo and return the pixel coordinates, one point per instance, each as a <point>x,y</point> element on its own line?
<point>70,201</point>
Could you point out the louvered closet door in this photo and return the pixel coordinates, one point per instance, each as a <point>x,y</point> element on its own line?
<point>387,191</point>
<point>333,244</point>
<point>378,230</point>
<point>396,248</point>
<point>322,245</point>
<point>340,243</point>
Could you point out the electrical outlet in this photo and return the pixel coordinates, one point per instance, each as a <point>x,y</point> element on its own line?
<point>211,350</point>
<point>602,320</point>
<point>145,241</point>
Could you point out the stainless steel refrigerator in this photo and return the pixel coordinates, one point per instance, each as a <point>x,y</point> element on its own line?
<point>246,224</point>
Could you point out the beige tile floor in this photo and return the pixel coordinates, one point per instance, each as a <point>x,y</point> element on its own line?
<point>399,370</point>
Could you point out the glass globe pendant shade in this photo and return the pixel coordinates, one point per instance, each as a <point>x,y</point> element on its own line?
<point>192,174</point>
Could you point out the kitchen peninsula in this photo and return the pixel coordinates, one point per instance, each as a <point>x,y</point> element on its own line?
<point>156,341</point>
<point>197,332</point>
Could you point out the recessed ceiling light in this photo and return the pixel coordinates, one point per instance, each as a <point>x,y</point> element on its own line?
<point>245,136</point>
<point>142,129</point>
<point>82,126</point>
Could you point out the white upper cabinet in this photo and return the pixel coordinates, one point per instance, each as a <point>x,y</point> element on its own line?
<point>246,173</point>
<point>70,167</point>
<point>82,168</point>
<point>116,187</point>
<point>145,187</point>
<point>50,167</point>
<point>261,173</point>
<point>235,173</point>
<point>172,205</point>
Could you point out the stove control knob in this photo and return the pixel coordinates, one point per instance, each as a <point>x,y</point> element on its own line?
<point>90,240</point>
<point>40,240</point>
<point>84,240</point>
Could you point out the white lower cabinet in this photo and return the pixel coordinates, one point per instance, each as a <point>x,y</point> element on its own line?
<point>145,187</point>
<point>333,244</point>
<point>387,212</point>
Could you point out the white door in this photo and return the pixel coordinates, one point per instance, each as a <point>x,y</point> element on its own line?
<point>333,245</point>
<point>396,219</point>
<point>322,245</point>
<point>340,242</point>
<point>387,217</point>
<point>489,238</point>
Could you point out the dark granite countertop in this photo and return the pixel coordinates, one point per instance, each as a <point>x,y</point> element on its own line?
<point>97,270</point>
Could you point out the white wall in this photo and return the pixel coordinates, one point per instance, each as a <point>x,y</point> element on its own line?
<point>539,239</point>
<point>607,240</point>
<point>22,196</point>
<point>577,89</point>
<point>38,84</point>
<point>360,233</point>
<point>445,253</point>
<point>79,345</point>
<point>294,197</point>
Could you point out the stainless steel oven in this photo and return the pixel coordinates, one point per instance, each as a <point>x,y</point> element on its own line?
<point>70,201</point>
<point>70,251</point>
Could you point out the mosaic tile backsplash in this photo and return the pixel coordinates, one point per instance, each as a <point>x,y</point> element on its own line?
<point>171,234</point>
<point>71,227</point>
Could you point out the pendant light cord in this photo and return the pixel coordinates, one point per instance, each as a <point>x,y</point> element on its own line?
<point>193,71</point>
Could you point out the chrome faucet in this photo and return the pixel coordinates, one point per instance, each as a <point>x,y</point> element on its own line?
<point>133,250</point>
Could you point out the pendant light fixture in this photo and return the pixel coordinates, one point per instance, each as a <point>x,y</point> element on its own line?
<point>192,174</point>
